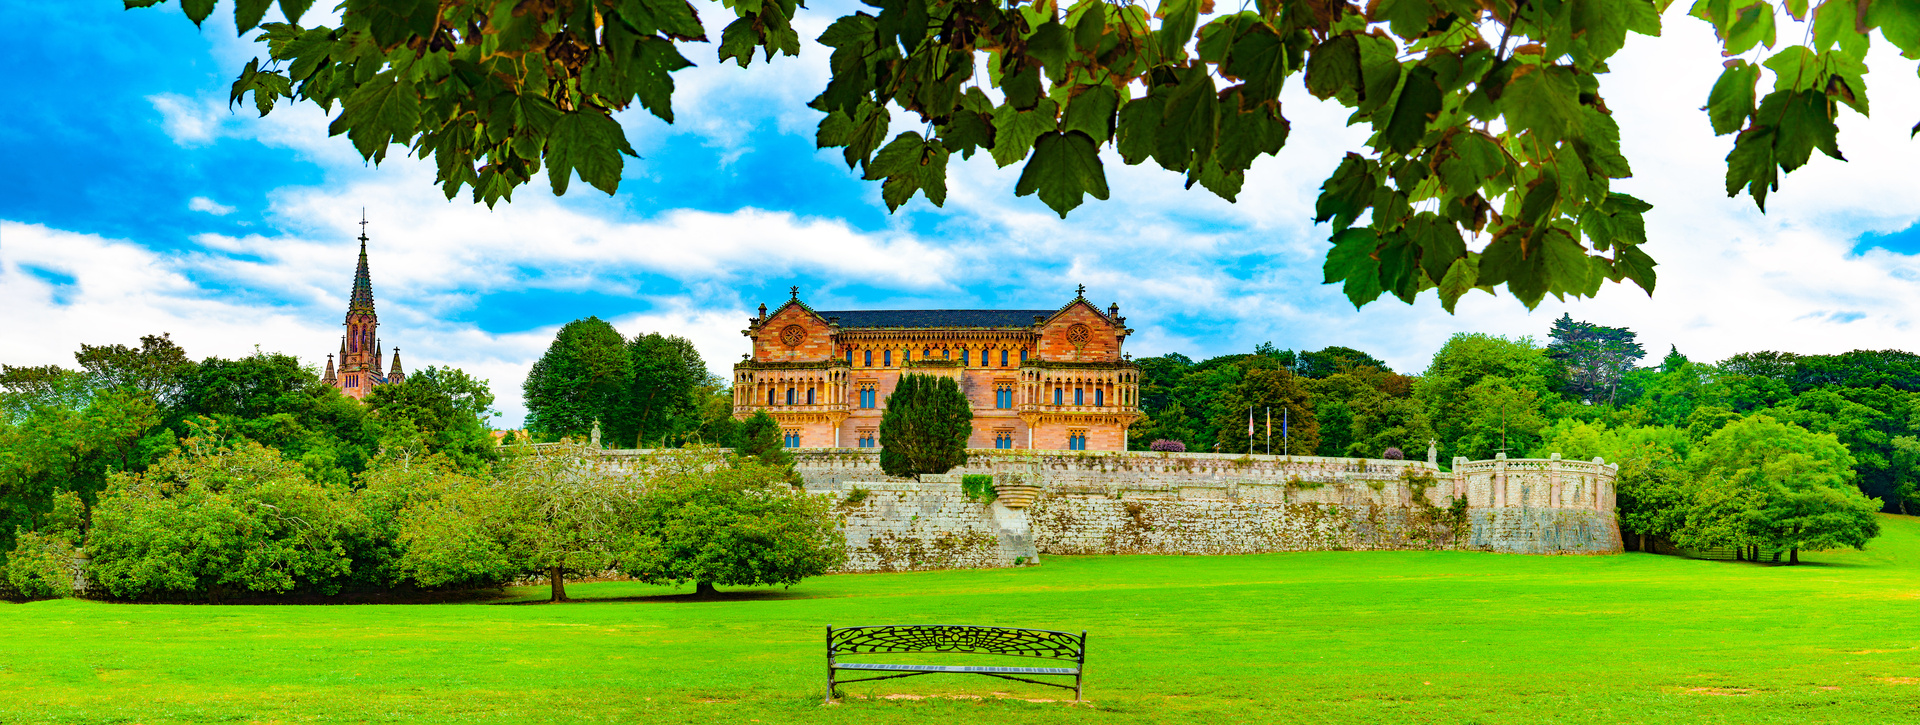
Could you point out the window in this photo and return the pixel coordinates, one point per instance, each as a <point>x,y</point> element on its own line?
<point>869,358</point>
<point>886,358</point>
<point>1079,396</point>
<point>1003,398</point>
<point>790,396</point>
<point>867,440</point>
<point>1059,396</point>
<point>867,396</point>
<point>945,354</point>
<point>964,354</point>
<point>809,396</point>
<point>1003,357</point>
<point>1023,357</point>
<point>793,439</point>
<point>1077,440</point>
<point>769,396</point>
<point>1099,397</point>
<point>1003,439</point>
<point>849,356</point>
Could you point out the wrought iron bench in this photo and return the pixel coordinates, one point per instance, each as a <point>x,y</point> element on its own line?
<point>956,639</point>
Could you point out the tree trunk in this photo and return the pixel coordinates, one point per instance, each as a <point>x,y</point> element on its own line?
<point>704,589</point>
<point>1643,543</point>
<point>558,581</point>
<point>1793,556</point>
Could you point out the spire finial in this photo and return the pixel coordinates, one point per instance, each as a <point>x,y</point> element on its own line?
<point>1080,291</point>
<point>363,226</point>
<point>796,291</point>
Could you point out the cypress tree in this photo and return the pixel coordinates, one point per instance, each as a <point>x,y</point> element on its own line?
<point>925,427</point>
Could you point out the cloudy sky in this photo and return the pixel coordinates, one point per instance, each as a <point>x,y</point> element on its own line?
<point>136,202</point>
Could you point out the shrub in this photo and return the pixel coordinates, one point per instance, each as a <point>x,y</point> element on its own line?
<point>1393,454</point>
<point>739,525</point>
<point>978,487</point>
<point>1168,446</point>
<point>925,427</point>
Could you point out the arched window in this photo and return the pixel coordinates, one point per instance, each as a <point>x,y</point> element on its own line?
<point>769,396</point>
<point>809,396</point>
<point>790,396</point>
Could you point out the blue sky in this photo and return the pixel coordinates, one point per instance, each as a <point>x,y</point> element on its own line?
<point>136,202</point>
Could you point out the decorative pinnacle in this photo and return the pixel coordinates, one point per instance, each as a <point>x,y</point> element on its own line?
<point>796,291</point>
<point>363,224</point>
<point>362,298</point>
<point>1080,291</point>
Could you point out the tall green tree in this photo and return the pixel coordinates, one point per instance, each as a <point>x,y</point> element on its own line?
<point>1474,382</point>
<point>1258,391</point>
<point>925,426</point>
<point>580,379</point>
<point>446,407</point>
<point>1761,482</point>
<point>1595,358</point>
<point>701,518</point>
<point>660,404</point>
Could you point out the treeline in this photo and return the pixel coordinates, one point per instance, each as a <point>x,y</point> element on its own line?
<point>223,479</point>
<point>1847,425</point>
<point>650,391</point>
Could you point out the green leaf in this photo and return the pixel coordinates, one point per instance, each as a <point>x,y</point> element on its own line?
<point>1636,266</point>
<point>860,133</point>
<point>293,9</point>
<point>1731,101</point>
<point>1543,101</point>
<point>1092,26</point>
<point>1379,71</point>
<point>382,111</point>
<point>1051,44</point>
<point>1567,267</point>
<point>1065,167</point>
<point>1352,260</point>
<point>1752,25</point>
<point>966,132</point>
<point>1751,165</point>
<point>590,143</point>
<point>1178,18</point>
<point>1399,265</point>
<point>1461,278</point>
<point>1015,130</point>
<point>1482,152</point>
<point>1618,221</point>
<point>1347,193</point>
<point>738,40</point>
<point>1022,87</point>
<point>1260,58</point>
<point>247,13</point>
<point>1333,68</point>
<point>1796,69</point>
<point>1805,123</point>
<point>1898,21</point>
<point>197,10</point>
<point>1245,135</point>
<point>1419,103</point>
<point>1505,261</point>
<point>1600,27</point>
<point>910,165</point>
<point>1187,131</point>
<point>1091,111</point>
<point>1406,18</point>
<point>1542,195</point>
<point>1439,243</point>
<point>1138,133</point>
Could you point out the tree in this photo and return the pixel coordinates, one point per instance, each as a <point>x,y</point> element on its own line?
<point>42,562</point>
<point>53,449</point>
<point>217,517</point>
<point>1486,120</point>
<point>1763,482</point>
<point>1468,423</point>
<point>661,401</point>
<point>704,519</point>
<point>446,407</point>
<point>925,426</point>
<point>1259,390</point>
<point>762,439</point>
<point>396,481</point>
<point>1596,357</point>
<point>550,512</point>
<point>580,379</point>
<point>158,367</point>
<point>1333,360</point>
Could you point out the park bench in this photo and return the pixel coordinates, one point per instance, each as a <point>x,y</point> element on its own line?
<point>1044,644</point>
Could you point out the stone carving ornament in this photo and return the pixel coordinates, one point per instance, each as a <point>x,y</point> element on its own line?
<point>1078,334</point>
<point>793,335</point>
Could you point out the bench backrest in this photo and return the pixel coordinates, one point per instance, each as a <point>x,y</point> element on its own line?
<point>919,638</point>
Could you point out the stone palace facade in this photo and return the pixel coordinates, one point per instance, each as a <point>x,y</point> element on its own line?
<point>1038,379</point>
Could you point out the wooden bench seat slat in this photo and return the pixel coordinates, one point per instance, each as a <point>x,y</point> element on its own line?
<point>954,668</point>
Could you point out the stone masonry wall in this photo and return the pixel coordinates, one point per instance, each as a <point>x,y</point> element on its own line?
<point>1196,503</point>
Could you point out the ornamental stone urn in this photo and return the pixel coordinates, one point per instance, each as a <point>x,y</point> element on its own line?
<point>1014,490</point>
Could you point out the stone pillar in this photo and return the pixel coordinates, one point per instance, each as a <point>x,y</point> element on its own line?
<point>1460,489</point>
<point>1554,489</point>
<point>1500,479</point>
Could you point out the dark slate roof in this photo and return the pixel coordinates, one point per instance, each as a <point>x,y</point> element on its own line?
<point>853,319</point>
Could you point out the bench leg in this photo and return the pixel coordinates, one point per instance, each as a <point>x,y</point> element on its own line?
<point>1076,687</point>
<point>829,699</point>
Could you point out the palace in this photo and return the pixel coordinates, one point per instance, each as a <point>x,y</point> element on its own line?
<point>1038,379</point>
<point>360,355</point>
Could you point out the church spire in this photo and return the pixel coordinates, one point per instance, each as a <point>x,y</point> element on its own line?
<point>362,300</point>
<point>396,375</point>
<point>329,379</point>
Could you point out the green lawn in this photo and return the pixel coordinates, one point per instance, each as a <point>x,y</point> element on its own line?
<point>1310,637</point>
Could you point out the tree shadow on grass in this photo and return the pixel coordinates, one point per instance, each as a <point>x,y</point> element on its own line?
<point>757,595</point>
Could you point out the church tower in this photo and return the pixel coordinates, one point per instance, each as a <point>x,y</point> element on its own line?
<point>359,364</point>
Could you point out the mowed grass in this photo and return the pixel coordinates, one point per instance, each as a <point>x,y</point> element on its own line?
<point>1344,637</point>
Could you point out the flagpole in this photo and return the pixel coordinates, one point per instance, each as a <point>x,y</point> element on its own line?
<point>1270,430</point>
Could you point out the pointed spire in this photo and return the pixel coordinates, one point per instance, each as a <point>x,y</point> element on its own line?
<point>378,356</point>
<point>330,376</point>
<point>396,375</point>
<point>343,352</point>
<point>362,300</point>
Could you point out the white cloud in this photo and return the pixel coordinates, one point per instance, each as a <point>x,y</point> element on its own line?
<point>201,203</point>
